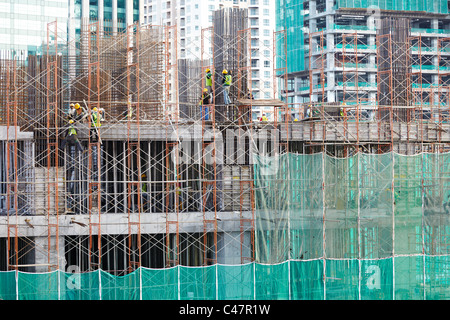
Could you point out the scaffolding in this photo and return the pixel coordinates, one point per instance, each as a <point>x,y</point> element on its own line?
<point>168,179</point>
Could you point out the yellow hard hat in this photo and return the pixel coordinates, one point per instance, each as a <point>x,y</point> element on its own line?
<point>207,70</point>
<point>70,121</point>
<point>205,90</point>
<point>224,71</point>
<point>143,175</point>
<point>95,109</point>
<point>77,105</point>
<point>295,119</point>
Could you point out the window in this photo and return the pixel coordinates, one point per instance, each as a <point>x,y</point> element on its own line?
<point>266,63</point>
<point>254,21</point>
<point>266,22</point>
<point>266,12</point>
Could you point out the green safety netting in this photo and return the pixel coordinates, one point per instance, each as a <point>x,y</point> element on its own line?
<point>403,277</point>
<point>432,6</point>
<point>384,217</point>
<point>355,228</point>
<point>289,16</point>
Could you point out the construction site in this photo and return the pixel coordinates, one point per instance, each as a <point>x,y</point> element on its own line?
<point>172,198</point>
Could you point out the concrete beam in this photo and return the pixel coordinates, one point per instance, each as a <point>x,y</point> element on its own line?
<point>10,134</point>
<point>151,223</point>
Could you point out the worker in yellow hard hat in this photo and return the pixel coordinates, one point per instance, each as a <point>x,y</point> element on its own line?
<point>343,110</point>
<point>76,112</point>
<point>226,84</point>
<point>264,117</point>
<point>72,137</point>
<point>95,124</point>
<point>204,104</point>
<point>209,81</point>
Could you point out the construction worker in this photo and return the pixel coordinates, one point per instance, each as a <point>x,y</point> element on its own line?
<point>76,112</point>
<point>209,80</point>
<point>204,102</point>
<point>71,137</point>
<point>144,190</point>
<point>342,110</point>
<point>71,112</point>
<point>263,118</point>
<point>95,124</point>
<point>226,84</point>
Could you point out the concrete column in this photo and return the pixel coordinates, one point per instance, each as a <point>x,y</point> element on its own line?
<point>84,43</point>
<point>329,6</point>
<point>41,253</point>
<point>141,12</point>
<point>330,72</point>
<point>229,247</point>
<point>371,41</point>
<point>85,9</point>
<point>129,12</point>
<point>313,43</point>
<point>312,8</point>
<point>114,17</point>
<point>434,44</point>
<point>101,15</point>
<point>71,37</point>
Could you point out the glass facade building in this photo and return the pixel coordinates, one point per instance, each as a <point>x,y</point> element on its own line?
<point>23,23</point>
